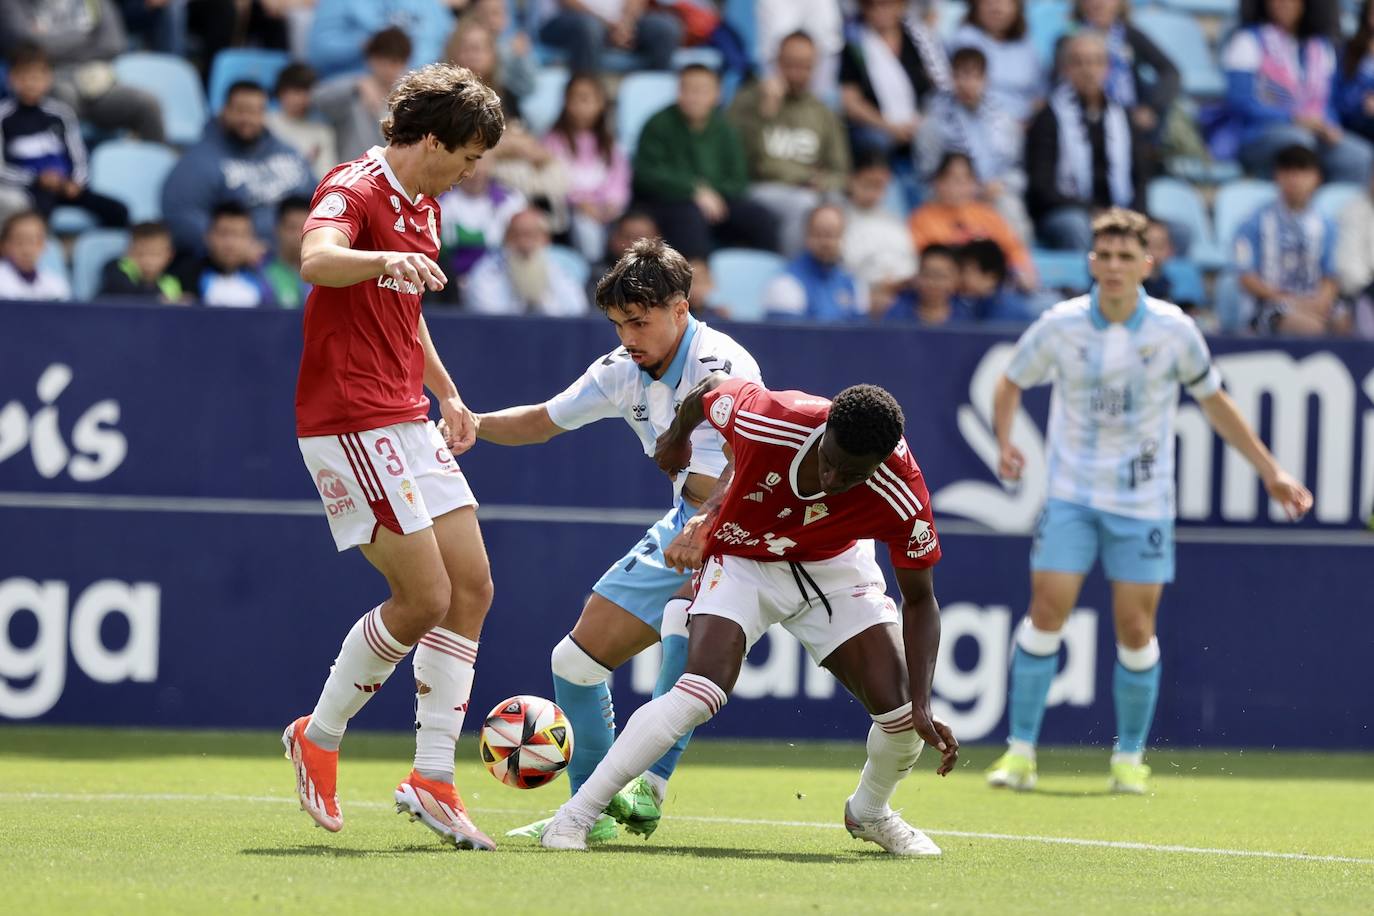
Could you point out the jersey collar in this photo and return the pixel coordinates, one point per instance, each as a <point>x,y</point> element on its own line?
<point>1132,323</point>
<point>673,376</point>
<point>376,153</point>
<point>796,464</point>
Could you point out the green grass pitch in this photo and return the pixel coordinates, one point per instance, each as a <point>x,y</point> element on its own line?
<point>103,821</point>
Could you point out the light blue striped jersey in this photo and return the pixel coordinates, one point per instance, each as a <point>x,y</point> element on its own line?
<point>1111,430</point>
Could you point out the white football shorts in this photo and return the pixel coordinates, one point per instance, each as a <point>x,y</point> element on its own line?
<point>823,604</point>
<point>401,477</point>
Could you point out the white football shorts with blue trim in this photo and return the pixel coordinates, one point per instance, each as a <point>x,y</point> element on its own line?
<point>640,581</point>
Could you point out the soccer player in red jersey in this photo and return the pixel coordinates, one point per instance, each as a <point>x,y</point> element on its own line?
<point>787,543</point>
<point>388,478</point>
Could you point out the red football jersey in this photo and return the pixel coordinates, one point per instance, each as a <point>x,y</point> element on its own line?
<point>362,366</point>
<point>765,517</point>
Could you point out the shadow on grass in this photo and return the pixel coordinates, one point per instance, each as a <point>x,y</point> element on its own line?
<point>321,850</point>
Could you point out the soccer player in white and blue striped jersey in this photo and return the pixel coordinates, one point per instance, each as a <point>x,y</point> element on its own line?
<point>1116,359</point>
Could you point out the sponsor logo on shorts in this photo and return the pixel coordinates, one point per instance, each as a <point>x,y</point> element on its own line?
<point>814,512</point>
<point>337,501</point>
<point>408,494</point>
<point>444,458</point>
<point>720,410</point>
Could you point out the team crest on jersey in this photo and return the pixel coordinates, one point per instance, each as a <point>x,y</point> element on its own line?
<point>330,206</point>
<point>1147,353</point>
<point>773,479</point>
<point>396,203</point>
<point>641,412</point>
<point>408,494</point>
<point>720,410</point>
<point>814,512</point>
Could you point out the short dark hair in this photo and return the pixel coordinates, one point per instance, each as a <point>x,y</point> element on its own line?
<point>939,251</point>
<point>985,255</point>
<point>969,56</point>
<point>142,232</point>
<point>229,209</point>
<point>295,75</point>
<point>798,35</point>
<point>1121,222</point>
<point>948,160</point>
<point>1018,26</point>
<point>17,218</point>
<point>650,274</point>
<point>28,54</point>
<point>290,203</point>
<point>447,101</point>
<point>391,43</point>
<point>698,68</point>
<point>243,86</point>
<point>1296,157</point>
<point>866,421</point>
<point>870,157</point>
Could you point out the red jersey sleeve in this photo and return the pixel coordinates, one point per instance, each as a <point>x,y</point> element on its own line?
<point>911,539</point>
<point>721,403</point>
<point>339,206</point>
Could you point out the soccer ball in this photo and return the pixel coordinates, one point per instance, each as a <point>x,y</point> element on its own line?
<point>526,742</point>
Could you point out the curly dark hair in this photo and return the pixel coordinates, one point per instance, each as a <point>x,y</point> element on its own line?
<point>650,274</point>
<point>866,421</point>
<point>447,101</point>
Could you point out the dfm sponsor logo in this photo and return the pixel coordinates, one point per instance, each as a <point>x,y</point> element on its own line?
<point>1295,391</point>
<point>33,676</point>
<point>96,448</point>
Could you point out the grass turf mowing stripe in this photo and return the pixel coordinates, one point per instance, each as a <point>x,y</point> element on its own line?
<point>750,822</point>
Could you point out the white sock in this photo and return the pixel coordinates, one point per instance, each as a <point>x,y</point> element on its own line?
<point>653,729</point>
<point>893,747</point>
<point>366,659</point>
<point>443,684</point>
<point>657,784</point>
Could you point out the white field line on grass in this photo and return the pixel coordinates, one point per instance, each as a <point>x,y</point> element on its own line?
<point>747,822</point>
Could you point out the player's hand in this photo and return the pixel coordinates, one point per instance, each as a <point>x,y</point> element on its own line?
<point>671,455</point>
<point>1285,490</point>
<point>416,268</point>
<point>458,425</point>
<point>688,549</point>
<point>937,735</point>
<point>1010,463</point>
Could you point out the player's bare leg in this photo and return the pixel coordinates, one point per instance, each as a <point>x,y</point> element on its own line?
<point>715,653</point>
<point>1035,659</point>
<point>1135,681</point>
<point>414,569</point>
<point>872,667</point>
<point>443,663</point>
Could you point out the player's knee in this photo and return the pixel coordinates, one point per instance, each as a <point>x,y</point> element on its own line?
<point>571,663</point>
<point>427,604</point>
<point>1046,614</point>
<point>474,594</point>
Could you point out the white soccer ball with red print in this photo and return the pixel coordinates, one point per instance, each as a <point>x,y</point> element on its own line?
<point>526,742</point>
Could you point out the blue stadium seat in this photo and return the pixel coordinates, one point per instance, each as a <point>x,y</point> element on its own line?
<point>572,262</point>
<point>176,85</point>
<point>1181,38</point>
<point>51,260</point>
<point>1047,21</point>
<point>260,65</point>
<point>1232,314</point>
<point>741,275</point>
<point>1178,203</point>
<point>1234,204</point>
<point>1062,270</point>
<point>133,171</point>
<point>1332,198</point>
<point>92,251</point>
<point>706,57</point>
<point>70,221</point>
<point>949,16</point>
<point>544,103</point>
<point>1225,8</point>
<point>642,95</point>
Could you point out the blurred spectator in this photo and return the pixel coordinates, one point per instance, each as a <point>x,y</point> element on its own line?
<point>521,279</point>
<point>883,80</point>
<point>1279,74</point>
<point>341,29</point>
<point>703,288</point>
<point>355,104</point>
<point>1140,77</point>
<point>816,286</point>
<point>795,146</point>
<point>583,28</point>
<point>473,220</point>
<point>1355,82</point>
<point>1285,253</point>
<point>142,272</point>
<point>1174,279</point>
<point>955,216</point>
<point>632,226</point>
<point>82,38</point>
<point>42,155</point>
<point>968,121</point>
<point>984,293</point>
<point>689,172</point>
<point>23,238</point>
<point>583,139</point>
<point>471,44</point>
<point>156,25</point>
<point>821,20</point>
<point>1016,75</point>
<point>931,300</point>
<point>236,160</point>
<point>228,274</point>
<point>283,270</point>
<point>515,53</point>
<point>1081,152</point>
<point>878,249</point>
<point>1355,258</point>
<point>294,121</point>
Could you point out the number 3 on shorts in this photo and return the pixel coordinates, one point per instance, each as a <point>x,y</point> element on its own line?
<point>386,450</point>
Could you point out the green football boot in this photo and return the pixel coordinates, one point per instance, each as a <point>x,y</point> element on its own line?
<point>636,808</point>
<point>604,830</point>
<point>1014,771</point>
<point>1130,778</point>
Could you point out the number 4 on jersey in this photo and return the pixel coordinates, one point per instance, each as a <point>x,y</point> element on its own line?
<point>778,545</point>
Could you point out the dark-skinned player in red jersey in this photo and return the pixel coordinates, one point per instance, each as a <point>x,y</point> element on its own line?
<point>791,541</point>
<point>386,475</point>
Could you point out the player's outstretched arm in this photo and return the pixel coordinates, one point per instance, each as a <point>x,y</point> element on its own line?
<point>1005,401</point>
<point>921,641</point>
<point>327,260</point>
<point>673,451</point>
<point>528,424</point>
<point>1282,487</point>
<point>688,549</point>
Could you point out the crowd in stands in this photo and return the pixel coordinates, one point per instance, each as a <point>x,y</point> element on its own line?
<point>908,161</point>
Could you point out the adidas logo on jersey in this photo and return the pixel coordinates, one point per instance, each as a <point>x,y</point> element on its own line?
<point>400,224</point>
<point>756,497</point>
